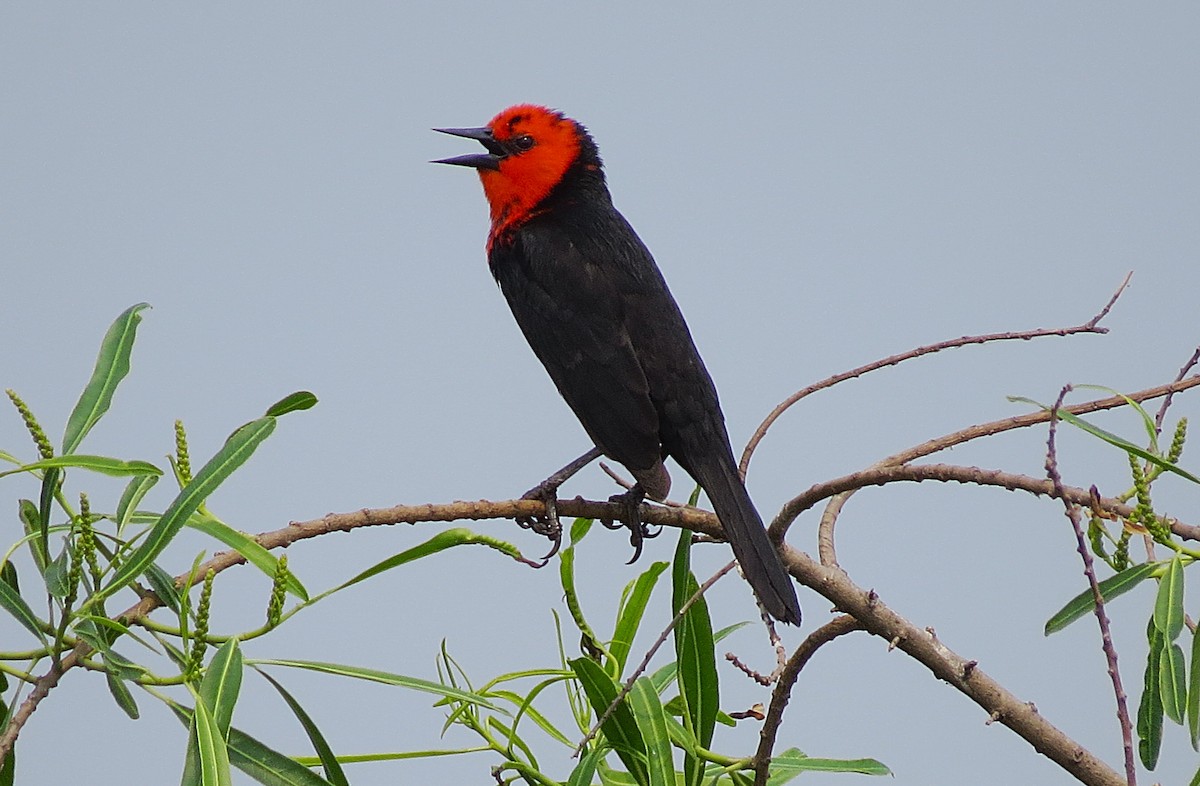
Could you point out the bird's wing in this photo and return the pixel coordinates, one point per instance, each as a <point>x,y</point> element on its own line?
<point>571,308</point>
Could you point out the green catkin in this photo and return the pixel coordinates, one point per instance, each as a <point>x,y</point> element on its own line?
<point>200,633</point>
<point>1121,552</point>
<point>45,449</point>
<point>1177,441</point>
<point>1143,512</point>
<point>278,592</point>
<point>183,462</point>
<point>85,544</point>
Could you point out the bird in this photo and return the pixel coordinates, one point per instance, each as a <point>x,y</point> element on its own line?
<point>595,308</point>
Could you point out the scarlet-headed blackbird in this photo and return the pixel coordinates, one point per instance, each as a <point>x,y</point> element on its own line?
<point>596,311</point>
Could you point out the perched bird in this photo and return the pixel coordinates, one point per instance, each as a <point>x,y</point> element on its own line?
<point>596,311</point>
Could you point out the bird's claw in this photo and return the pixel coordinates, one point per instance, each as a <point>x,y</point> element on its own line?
<point>546,525</point>
<point>631,518</point>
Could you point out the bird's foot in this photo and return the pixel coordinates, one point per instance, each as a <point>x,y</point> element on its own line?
<point>547,524</point>
<point>631,518</point>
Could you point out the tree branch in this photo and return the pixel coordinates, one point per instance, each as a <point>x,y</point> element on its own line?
<point>838,626</point>
<point>1091,326</point>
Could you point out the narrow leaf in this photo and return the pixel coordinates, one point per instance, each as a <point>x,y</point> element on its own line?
<point>459,536</point>
<point>583,772</point>
<point>652,723</point>
<point>163,585</point>
<point>58,573</point>
<point>695,653</point>
<point>105,465</point>
<point>15,605</point>
<point>236,450</point>
<point>221,684</point>
<point>621,730</point>
<point>112,364</point>
<point>31,522</point>
<point>259,761</point>
<point>333,769</point>
<point>792,762</point>
<point>1171,682</point>
<point>120,693</point>
<point>399,680</point>
<point>213,753</point>
<point>1193,699</point>
<point>293,402</point>
<point>1113,586</point>
<point>629,619</point>
<point>245,545</point>
<point>1168,607</point>
<point>135,490</point>
<point>1150,708</point>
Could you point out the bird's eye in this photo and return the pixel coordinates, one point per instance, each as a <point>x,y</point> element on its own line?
<point>523,142</point>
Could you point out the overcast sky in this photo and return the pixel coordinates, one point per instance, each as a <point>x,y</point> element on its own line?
<point>822,184</point>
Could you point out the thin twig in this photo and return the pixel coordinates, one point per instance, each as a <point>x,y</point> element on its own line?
<point>838,626</point>
<point>1166,404</point>
<point>779,525</point>
<point>1091,326</point>
<point>650,653</point>
<point>1089,570</point>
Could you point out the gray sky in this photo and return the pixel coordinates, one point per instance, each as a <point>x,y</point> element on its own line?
<point>822,186</point>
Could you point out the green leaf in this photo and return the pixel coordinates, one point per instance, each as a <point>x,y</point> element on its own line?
<point>1171,682</point>
<point>120,693</point>
<point>652,722</point>
<point>31,522</point>
<point>1150,708</point>
<point>221,685</point>
<point>1193,699</point>
<point>163,585</point>
<point>1126,445</point>
<point>259,761</point>
<point>105,465</point>
<point>293,402</point>
<point>236,450</point>
<point>399,680</point>
<point>1168,607</point>
<point>15,605</point>
<point>695,652</point>
<point>1113,586</point>
<point>112,364</point>
<point>621,729</point>
<point>247,546</point>
<point>211,749</point>
<point>58,573</point>
<point>135,490</point>
<point>633,607</point>
<point>459,536</point>
<point>792,762</point>
<point>333,769</point>
<point>586,768</point>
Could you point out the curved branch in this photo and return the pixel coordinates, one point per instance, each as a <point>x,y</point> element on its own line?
<point>840,488</point>
<point>1091,326</point>
<point>780,524</point>
<point>838,626</point>
<point>950,667</point>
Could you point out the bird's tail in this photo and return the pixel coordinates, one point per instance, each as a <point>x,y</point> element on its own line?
<point>745,532</point>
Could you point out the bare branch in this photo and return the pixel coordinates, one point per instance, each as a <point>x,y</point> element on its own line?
<point>962,674</point>
<point>838,626</point>
<point>1089,570</point>
<point>1091,326</point>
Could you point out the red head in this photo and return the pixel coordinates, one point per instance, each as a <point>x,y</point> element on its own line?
<point>530,149</point>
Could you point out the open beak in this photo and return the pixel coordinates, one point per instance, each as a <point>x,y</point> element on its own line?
<point>489,160</point>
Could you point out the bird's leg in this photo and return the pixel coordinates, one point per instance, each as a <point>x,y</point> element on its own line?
<point>631,518</point>
<point>547,491</point>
